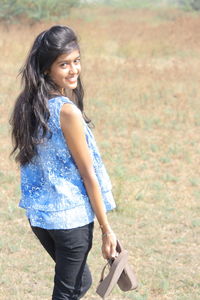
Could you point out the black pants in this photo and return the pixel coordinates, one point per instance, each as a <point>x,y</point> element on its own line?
<point>69,249</point>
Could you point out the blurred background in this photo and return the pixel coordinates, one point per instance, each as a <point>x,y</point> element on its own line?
<point>141,74</point>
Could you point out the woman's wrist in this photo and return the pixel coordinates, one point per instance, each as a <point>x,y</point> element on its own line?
<point>107,233</point>
<point>105,228</point>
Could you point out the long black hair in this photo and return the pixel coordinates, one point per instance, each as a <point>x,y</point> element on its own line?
<point>30,114</point>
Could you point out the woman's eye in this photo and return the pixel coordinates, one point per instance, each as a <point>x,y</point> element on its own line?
<point>64,65</point>
<point>77,61</point>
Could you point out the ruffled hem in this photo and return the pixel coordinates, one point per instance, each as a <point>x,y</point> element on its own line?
<point>66,219</point>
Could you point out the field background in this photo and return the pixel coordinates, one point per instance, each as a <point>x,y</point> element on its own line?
<point>141,72</point>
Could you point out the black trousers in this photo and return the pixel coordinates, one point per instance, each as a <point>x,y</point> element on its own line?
<point>69,249</point>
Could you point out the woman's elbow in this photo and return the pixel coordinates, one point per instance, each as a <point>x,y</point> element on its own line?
<point>88,175</point>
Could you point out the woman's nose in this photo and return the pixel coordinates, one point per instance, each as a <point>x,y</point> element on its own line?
<point>73,69</point>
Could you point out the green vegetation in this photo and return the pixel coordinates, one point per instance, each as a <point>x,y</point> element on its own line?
<point>186,4</point>
<point>132,3</point>
<point>14,10</point>
<point>190,4</point>
<point>35,11</point>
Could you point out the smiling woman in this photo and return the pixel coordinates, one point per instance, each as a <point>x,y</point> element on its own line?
<point>64,183</point>
<point>66,69</point>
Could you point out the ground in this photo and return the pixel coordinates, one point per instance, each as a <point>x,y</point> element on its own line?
<point>141,71</point>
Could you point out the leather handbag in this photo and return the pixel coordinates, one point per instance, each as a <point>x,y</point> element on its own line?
<point>120,273</point>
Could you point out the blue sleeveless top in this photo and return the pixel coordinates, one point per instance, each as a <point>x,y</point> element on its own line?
<point>52,190</point>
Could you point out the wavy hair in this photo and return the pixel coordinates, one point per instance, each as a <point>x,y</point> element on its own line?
<point>30,114</point>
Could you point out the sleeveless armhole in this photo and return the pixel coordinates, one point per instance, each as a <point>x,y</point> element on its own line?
<point>55,106</point>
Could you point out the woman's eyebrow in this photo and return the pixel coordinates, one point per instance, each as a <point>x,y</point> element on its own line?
<point>67,60</point>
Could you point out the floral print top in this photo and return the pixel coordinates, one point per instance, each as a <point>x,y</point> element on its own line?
<point>52,190</point>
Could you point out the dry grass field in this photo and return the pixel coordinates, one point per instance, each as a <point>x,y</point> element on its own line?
<point>141,72</point>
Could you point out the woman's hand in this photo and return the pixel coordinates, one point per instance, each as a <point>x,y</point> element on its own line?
<point>109,243</point>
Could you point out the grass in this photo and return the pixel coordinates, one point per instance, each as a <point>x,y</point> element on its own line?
<point>141,77</point>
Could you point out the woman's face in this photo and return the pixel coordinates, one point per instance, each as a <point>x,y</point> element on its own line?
<point>65,70</point>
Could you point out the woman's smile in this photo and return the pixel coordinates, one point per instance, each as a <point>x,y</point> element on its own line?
<point>66,69</point>
<point>72,79</point>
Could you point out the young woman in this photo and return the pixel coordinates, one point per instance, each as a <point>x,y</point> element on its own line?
<point>63,180</point>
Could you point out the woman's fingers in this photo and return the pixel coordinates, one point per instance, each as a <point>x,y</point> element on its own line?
<point>113,250</point>
<point>109,246</point>
<point>109,253</point>
<point>105,252</point>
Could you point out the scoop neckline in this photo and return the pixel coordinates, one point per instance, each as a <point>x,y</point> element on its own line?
<point>53,98</point>
<point>56,96</point>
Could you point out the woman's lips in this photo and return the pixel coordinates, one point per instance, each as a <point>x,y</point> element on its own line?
<point>72,80</point>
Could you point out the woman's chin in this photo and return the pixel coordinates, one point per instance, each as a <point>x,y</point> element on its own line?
<point>72,86</point>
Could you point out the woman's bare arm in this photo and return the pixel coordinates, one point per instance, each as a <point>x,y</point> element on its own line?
<point>73,130</point>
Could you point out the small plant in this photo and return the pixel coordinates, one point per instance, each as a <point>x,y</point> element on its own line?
<point>10,10</point>
<point>190,4</point>
<point>48,9</point>
<point>14,10</point>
